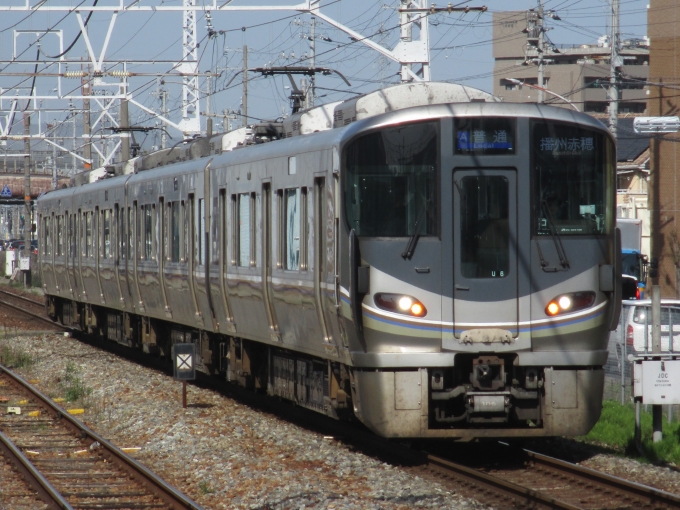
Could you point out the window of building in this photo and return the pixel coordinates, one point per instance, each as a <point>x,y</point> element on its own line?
<point>595,107</point>
<point>632,107</point>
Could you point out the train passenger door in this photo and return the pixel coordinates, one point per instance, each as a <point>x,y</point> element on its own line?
<point>485,292</point>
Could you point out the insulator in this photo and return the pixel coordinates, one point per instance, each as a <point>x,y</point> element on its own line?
<point>120,74</point>
<point>75,74</point>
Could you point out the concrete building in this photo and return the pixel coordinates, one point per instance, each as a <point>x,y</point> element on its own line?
<point>579,72</point>
<point>663,19</point>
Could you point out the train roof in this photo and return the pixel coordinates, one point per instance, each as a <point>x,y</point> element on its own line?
<point>327,125</point>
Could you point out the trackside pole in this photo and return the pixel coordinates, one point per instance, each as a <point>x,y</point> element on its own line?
<point>657,410</point>
<point>184,394</point>
<point>623,357</point>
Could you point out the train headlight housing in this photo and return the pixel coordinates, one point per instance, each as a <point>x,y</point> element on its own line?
<point>571,302</point>
<point>400,303</point>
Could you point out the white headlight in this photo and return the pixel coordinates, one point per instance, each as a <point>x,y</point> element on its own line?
<point>565,303</point>
<point>405,303</point>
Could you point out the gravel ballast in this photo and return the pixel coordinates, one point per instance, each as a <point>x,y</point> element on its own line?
<point>219,452</point>
<point>224,454</point>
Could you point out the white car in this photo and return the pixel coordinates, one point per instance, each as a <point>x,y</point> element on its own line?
<point>638,319</point>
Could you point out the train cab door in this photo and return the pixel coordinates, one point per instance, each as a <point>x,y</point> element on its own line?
<point>485,253</point>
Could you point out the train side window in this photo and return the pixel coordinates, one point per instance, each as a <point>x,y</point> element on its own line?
<point>185,232</point>
<point>122,238</point>
<point>148,224</point>
<point>223,225</point>
<point>304,230</point>
<point>47,240</point>
<point>60,235</point>
<point>88,234</point>
<point>235,250</point>
<point>200,232</point>
<point>253,228</point>
<point>214,236</point>
<point>280,251</point>
<point>106,233</point>
<point>97,238</point>
<point>292,229</point>
<point>72,235</point>
<point>129,233</point>
<point>244,217</point>
<point>81,232</point>
<point>174,229</point>
<point>154,230</point>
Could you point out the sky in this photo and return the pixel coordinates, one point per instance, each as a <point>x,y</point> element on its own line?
<point>461,45</point>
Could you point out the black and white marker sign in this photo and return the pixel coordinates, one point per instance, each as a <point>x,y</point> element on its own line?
<point>183,356</point>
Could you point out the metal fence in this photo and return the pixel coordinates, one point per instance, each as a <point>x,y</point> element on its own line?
<point>618,370</point>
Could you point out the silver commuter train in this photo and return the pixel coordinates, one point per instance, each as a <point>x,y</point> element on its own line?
<point>433,261</point>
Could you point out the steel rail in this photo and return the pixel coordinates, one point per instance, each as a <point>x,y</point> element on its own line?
<point>620,484</point>
<point>496,484</point>
<point>34,315</point>
<point>169,494</point>
<point>22,298</point>
<point>46,491</point>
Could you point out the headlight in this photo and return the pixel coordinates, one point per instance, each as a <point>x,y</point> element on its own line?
<point>400,303</point>
<point>571,302</point>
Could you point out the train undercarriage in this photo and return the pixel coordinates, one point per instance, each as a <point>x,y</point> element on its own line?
<point>481,395</point>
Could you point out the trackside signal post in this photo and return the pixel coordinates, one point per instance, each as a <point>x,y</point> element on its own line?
<point>184,364</point>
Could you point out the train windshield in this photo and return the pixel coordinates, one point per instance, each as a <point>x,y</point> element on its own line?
<point>571,170</point>
<point>390,181</point>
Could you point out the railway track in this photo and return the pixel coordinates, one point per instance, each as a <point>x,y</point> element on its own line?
<point>21,491</point>
<point>525,479</point>
<point>27,306</point>
<point>64,459</point>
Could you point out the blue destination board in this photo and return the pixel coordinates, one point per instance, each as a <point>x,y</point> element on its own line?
<point>484,135</point>
<point>478,140</point>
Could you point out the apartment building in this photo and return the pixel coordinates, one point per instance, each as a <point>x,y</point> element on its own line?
<point>580,72</point>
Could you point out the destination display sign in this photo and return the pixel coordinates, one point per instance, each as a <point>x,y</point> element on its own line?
<point>485,136</point>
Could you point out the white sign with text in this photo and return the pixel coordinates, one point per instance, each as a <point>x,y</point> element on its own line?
<point>658,381</point>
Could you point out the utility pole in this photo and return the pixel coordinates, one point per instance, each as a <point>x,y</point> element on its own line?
<point>27,194</point>
<point>87,147</point>
<point>55,182</point>
<point>312,46</point>
<point>73,123</point>
<point>245,85</point>
<point>191,114</point>
<point>537,40</point>
<point>208,79</point>
<point>614,66</point>
<point>124,122</point>
<point>540,51</point>
<point>162,96</point>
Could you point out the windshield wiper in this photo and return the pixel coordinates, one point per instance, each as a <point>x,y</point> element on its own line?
<point>555,236</point>
<point>413,241</point>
